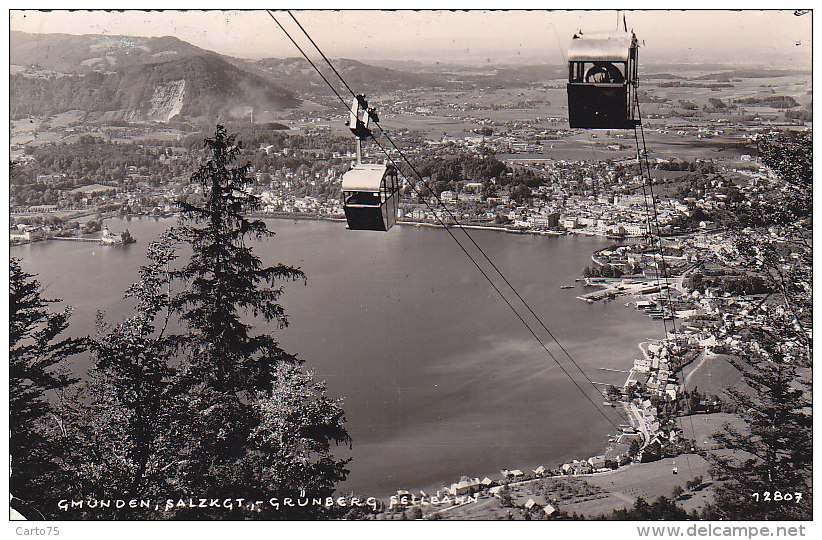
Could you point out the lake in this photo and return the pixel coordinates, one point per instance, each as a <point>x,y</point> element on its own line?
<point>438,377</point>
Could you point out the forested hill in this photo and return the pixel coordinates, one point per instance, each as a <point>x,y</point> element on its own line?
<point>68,53</point>
<point>298,75</point>
<point>135,79</point>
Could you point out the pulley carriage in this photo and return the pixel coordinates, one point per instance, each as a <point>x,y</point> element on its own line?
<point>370,191</point>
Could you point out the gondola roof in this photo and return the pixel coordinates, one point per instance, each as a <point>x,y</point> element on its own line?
<point>364,177</point>
<point>600,46</point>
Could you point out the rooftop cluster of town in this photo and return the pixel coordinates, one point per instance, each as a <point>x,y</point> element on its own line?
<point>556,196</point>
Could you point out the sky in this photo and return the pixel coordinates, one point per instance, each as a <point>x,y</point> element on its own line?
<point>474,37</point>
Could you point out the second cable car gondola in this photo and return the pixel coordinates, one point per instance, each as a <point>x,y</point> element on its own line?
<point>602,75</point>
<point>370,197</point>
<point>370,191</point>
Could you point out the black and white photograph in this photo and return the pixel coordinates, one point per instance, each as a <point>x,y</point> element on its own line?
<point>471,265</point>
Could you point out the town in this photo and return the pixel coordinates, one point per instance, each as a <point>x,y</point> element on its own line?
<point>544,196</point>
<point>694,279</point>
<point>691,220</point>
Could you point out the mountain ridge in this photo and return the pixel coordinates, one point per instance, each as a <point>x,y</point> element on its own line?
<point>135,79</point>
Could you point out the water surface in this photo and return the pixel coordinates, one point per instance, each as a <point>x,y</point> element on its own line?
<point>438,377</point>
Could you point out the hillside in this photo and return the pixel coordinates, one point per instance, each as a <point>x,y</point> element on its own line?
<point>213,86</point>
<point>134,79</point>
<point>297,75</point>
<point>155,79</point>
<point>518,76</point>
<point>68,53</point>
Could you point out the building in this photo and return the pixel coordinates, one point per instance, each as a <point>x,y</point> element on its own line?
<point>643,365</point>
<point>113,239</point>
<point>27,234</point>
<point>597,462</point>
<point>635,229</point>
<point>50,179</point>
<point>41,208</point>
<point>94,189</point>
<point>568,223</point>
<point>466,486</point>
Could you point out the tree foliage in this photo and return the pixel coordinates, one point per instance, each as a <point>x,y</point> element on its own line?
<point>661,509</point>
<point>192,396</point>
<point>37,355</point>
<point>260,425</point>
<point>248,422</point>
<point>127,427</point>
<point>226,279</point>
<point>774,454</point>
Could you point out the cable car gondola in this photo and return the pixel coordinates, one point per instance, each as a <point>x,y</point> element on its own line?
<point>370,191</point>
<point>358,183</point>
<point>370,197</point>
<point>602,75</point>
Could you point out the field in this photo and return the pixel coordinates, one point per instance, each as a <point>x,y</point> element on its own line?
<point>796,86</point>
<point>700,427</point>
<point>601,493</point>
<point>538,111</point>
<point>33,131</point>
<point>668,132</point>
<point>598,494</point>
<point>161,135</point>
<point>66,119</point>
<point>649,481</point>
<point>711,374</point>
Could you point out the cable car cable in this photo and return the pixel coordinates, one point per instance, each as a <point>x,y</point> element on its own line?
<point>331,86</point>
<point>661,253</point>
<point>651,225</point>
<point>490,281</point>
<point>327,61</point>
<point>487,258</point>
<point>559,44</point>
<point>383,131</point>
<point>448,211</point>
<point>653,201</point>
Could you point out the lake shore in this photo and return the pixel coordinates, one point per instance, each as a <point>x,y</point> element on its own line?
<point>529,468</point>
<point>431,425</point>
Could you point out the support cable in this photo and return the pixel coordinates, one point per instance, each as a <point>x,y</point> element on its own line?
<point>446,227</point>
<point>651,224</point>
<point>445,207</point>
<point>661,254</point>
<point>656,212</point>
<point>494,286</point>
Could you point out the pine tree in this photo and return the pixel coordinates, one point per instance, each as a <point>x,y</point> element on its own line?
<point>289,449</point>
<point>779,247</point>
<point>663,509</point>
<point>226,279</point>
<point>185,399</point>
<point>125,431</point>
<point>774,454</point>
<point>37,374</point>
<point>233,379</point>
